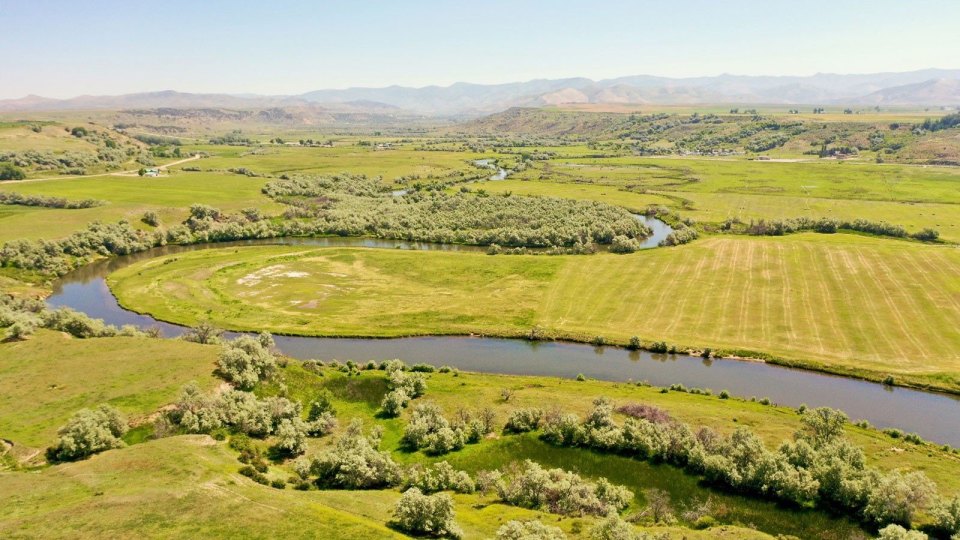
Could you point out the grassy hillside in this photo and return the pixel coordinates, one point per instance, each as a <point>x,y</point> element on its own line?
<point>841,301</point>
<point>187,486</point>
<point>50,376</point>
<point>171,488</point>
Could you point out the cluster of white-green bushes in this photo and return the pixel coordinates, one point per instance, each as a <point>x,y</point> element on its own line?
<point>352,205</point>
<point>21,317</point>
<point>818,467</point>
<point>404,387</point>
<point>19,199</point>
<point>430,431</point>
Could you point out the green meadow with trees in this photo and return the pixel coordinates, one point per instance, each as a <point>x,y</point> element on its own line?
<point>819,240</point>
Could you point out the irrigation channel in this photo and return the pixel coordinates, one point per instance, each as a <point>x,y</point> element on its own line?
<point>933,416</point>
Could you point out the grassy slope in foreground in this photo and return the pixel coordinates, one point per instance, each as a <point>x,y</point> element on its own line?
<point>187,486</point>
<point>47,378</point>
<point>842,302</point>
<point>172,488</point>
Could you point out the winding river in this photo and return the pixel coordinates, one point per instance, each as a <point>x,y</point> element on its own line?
<point>934,416</point>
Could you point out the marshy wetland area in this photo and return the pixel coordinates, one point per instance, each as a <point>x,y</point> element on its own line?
<point>632,309</point>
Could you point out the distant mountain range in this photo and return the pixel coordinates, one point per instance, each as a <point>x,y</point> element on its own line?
<point>914,88</point>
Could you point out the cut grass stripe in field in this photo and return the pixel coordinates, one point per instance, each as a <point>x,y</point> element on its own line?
<point>842,300</point>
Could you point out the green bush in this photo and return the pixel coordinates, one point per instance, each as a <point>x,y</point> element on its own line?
<point>946,516</point>
<point>896,532</point>
<point>523,420</point>
<point>426,515</point>
<point>11,172</point>
<point>440,477</point>
<point>393,403</point>
<point>354,462</point>
<point>562,492</point>
<point>246,360</point>
<point>430,431</point>
<point>89,432</point>
<point>529,530</point>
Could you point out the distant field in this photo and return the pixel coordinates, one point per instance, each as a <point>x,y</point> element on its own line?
<point>914,197</point>
<point>635,202</point>
<point>47,378</point>
<point>717,207</point>
<point>843,301</point>
<point>389,163</point>
<point>128,198</point>
<point>822,179</point>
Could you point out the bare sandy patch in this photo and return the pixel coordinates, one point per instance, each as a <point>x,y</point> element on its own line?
<point>275,271</point>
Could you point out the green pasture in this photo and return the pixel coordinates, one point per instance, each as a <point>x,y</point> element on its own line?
<point>128,197</point>
<point>391,163</point>
<point>50,376</point>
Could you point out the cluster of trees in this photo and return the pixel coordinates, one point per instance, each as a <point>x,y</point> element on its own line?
<point>577,248</point>
<point>47,202</point>
<point>204,224</point>
<point>356,206</point>
<point>65,162</point>
<point>762,144</point>
<point>430,431</point>
<point>354,462</point>
<point>555,490</point>
<point>243,412</point>
<point>529,486</point>
<point>624,244</point>
<point>23,317</point>
<point>108,152</point>
<point>613,527</point>
<point>57,257</point>
<point>89,432</point>
<point>234,138</point>
<point>561,492</point>
<point>524,420</point>
<point>426,515</point>
<point>435,217</point>
<point>11,172</point>
<point>157,140</point>
<point>403,388</point>
<point>247,360</point>
<point>529,530</point>
<point>440,477</point>
<point>830,225</point>
<point>682,234</point>
<point>944,122</point>
<point>819,466</point>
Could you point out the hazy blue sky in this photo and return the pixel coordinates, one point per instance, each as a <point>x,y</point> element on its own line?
<point>70,47</point>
